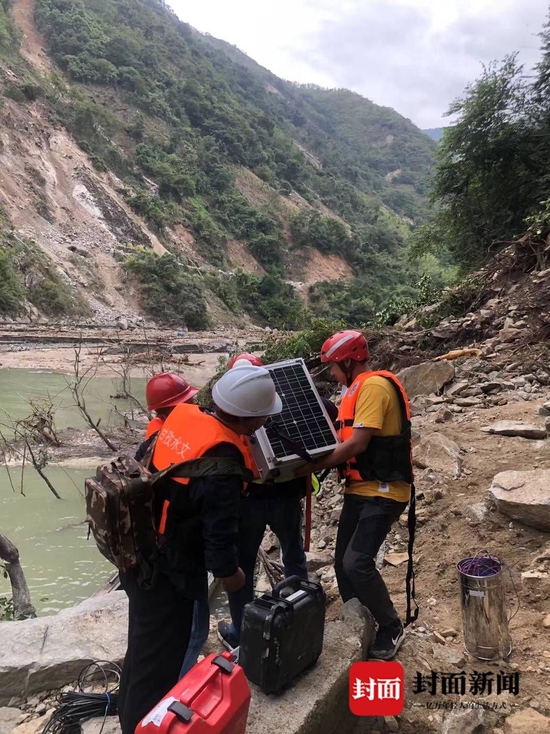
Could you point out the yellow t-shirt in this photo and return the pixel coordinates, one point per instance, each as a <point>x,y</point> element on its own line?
<point>378,407</point>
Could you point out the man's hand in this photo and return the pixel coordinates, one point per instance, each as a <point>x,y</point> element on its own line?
<point>235,582</point>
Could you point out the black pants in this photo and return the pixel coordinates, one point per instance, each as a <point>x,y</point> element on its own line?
<point>363,527</point>
<point>159,627</point>
<point>283,514</point>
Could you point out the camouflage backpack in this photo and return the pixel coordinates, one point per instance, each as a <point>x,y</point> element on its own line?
<point>120,506</point>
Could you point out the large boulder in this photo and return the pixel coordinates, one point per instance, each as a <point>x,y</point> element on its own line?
<point>426,378</point>
<point>49,652</point>
<point>524,496</point>
<point>439,453</point>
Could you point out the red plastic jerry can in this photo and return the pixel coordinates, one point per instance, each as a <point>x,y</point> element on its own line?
<point>213,698</point>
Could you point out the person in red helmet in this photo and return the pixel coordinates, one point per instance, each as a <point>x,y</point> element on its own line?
<point>162,393</point>
<point>375,456</point>
<point>256,361</point>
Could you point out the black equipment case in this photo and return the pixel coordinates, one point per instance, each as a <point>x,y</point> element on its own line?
<point>282,633</point>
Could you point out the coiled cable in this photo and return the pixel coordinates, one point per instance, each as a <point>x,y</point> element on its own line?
<point>78,706</point>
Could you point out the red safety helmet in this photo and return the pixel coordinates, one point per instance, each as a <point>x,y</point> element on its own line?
<point>256,361</point>
<point>168,389</point>
<point>345,345</point>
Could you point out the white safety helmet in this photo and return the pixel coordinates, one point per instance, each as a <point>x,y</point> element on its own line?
<point>247,391</point>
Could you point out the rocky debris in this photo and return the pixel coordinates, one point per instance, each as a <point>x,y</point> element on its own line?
<point>472,402</point>
<point>439,453</point>
<point>456,389</point>
<point>444,415</point>
<point>476,512</point>
<point>396,559</point>
<point>524,496</point>
<point>426,378</point>
<point>391,723</point>
<point>450,632</point>
<point>34,726</point>
<point>537,580</point>
<point>527,721</point>
<point>93,726</point>
<point>318,561</point>
<point>546,622</point>
<point>10,718</point>
<point>516,428</point>
<point>467,721</point>
<point>49,652</point>
<point>545,409</point>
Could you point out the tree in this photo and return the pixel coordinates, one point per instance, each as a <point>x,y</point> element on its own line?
<point>491,181</point>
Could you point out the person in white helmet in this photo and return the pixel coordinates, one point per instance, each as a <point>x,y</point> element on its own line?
<point>197,520</point>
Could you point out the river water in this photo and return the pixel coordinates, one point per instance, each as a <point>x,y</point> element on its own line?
<point>62,566</point>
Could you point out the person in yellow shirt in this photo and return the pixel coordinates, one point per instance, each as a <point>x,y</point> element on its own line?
<point>374,456</point>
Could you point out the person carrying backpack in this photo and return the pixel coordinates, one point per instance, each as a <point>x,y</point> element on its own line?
<point>196,520</point>
<point>162,393</point>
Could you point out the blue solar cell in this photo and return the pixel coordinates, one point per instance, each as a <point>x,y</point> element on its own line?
<point>302,418</point>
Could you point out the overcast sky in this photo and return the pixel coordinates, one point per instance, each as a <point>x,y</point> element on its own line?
<point>413,55</point>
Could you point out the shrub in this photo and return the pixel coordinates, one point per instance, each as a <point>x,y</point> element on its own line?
<point>168,292</point>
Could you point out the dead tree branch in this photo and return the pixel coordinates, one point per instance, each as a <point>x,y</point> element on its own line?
<point>22,605</point>
<point>81,379</point>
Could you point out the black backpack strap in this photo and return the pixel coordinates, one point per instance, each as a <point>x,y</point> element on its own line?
<point>410,580</point>
<point>211,466</point>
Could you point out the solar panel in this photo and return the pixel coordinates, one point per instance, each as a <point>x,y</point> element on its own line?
<point>303,420</point>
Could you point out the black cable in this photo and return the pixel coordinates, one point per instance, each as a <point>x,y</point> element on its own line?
<point>77,706</point>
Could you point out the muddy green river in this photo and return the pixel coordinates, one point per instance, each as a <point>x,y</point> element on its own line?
<point>62,566</point>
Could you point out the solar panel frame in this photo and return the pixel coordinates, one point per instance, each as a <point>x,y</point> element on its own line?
<point>304,419</point>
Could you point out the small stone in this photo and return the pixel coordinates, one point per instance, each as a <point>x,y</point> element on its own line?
<point>545,409</point>
<point>450,632</point>
<point>468,402</point>
<point>516,428</point>
<point>439,638</point>
<point>444,415</point>
<point>321,545</point>
<point>391,723</point>
<point>396,559</point>
<point>546,622</point>
<point>477,512</point>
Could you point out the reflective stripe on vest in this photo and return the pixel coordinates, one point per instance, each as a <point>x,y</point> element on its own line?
<point>346,413</point>
<point>155,424</point>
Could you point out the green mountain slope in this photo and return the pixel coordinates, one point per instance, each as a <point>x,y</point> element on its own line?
<point>203,139</point>
<point>435,133</point>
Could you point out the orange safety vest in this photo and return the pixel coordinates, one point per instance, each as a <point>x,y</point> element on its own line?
<point>249,459</point>
<point>387,458</point>
<point>188,433</point>
<point>154,426</point>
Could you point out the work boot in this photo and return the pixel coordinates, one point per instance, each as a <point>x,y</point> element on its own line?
<point>227,637</point>
<point>388,641</point>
